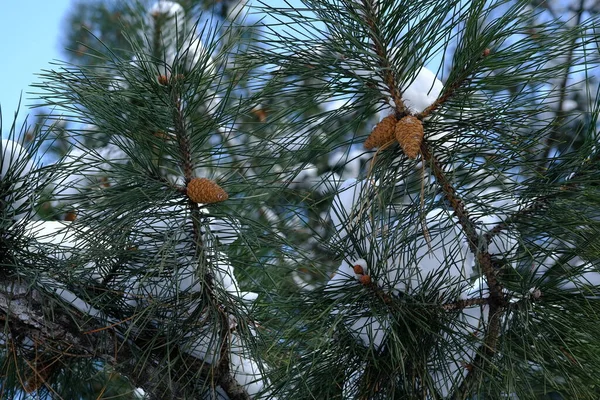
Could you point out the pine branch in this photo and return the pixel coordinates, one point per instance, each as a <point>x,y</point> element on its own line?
<point>478,247</point>
<point>450,193</point>
<point>462,304</point>
<point>450,91</point>
<point>24,310</point>
<point>221,371</point>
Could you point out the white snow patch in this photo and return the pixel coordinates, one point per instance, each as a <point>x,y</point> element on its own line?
<point>422,91</point>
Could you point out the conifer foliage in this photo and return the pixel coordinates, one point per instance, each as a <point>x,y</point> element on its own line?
<point>344,199</point>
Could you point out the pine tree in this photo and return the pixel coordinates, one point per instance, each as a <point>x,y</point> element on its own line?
<point>307,206</point>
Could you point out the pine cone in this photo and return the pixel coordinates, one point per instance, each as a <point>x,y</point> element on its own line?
<point>358,269</point>
<point>205,191</point>
<point>383,133</point>
<point>163,80</point>
<point>365,279</point>
<point>409,133</point>
<point>70,216</point>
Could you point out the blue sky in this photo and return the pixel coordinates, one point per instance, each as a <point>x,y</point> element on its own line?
<point>29,38</point>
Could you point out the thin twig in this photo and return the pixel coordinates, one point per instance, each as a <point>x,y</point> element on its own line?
<point>450,91</point>
<point>422,205</point>
<point>384,64</point>
<point>183,139</point>
<point>560,113</point>
<point>537,205</point>
<point>462,304</point>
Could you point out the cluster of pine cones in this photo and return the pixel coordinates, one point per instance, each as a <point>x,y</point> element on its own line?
<point>408,132</point>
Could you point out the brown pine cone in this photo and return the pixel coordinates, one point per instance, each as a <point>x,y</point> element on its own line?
<point>365,279</point>
<point>409,133</point>
<point>205,191</point>
<point>163,80</point>
<point>383,133</point>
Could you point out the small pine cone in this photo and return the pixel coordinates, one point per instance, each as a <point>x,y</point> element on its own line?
<point>163,80</point>
<point>70,216</point>
<point>365,279</point>
<point>383,133</point>
<point>260,113</point>
<point>205,191</point>
<point>358,270</point>
<point>409,133</point>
